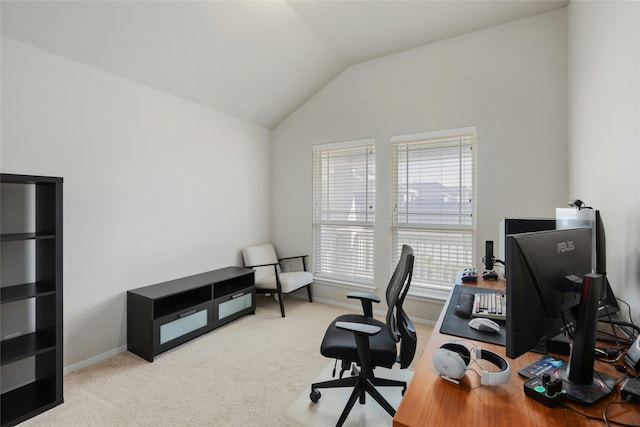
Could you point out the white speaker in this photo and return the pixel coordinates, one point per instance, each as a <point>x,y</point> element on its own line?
<point>632,358</point>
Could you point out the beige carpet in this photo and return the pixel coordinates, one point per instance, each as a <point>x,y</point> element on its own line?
<point>327,410</point>
<point>245,373</point>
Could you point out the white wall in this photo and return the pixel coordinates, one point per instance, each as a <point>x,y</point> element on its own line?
<point>604,130</point>
<point>155,187</point>
<point>508,81</point>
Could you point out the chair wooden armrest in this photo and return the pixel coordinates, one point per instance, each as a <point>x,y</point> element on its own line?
<point>261,265</point>
<point>293,257</point>
<point>302,257</point>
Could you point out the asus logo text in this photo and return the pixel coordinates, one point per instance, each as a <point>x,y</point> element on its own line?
<point>566,246</point>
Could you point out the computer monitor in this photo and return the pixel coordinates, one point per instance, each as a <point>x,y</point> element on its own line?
<point>587,217</point>
<point>549,284</point>
<point>509,226</point>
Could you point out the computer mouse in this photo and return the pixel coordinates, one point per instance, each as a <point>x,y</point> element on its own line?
<point>484,325</point>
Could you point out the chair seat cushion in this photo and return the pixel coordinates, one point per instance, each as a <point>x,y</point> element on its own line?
<point>290,281</point>
<point>341,344</point>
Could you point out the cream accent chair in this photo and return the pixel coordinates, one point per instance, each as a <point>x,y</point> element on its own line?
<point>268,275</point>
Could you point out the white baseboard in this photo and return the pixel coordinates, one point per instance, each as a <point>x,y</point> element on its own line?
<point>94,360</point>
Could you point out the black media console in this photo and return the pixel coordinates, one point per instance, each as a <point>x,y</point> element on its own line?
<point>162,316</point>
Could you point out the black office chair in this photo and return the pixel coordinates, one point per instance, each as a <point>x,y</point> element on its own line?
<point>368,342</point>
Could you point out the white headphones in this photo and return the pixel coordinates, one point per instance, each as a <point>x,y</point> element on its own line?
<point>451,361</point>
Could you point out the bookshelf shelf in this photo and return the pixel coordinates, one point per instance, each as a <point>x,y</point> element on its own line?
<point>35,304</point>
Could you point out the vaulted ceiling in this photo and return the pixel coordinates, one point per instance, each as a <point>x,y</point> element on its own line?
<point>256,60</point>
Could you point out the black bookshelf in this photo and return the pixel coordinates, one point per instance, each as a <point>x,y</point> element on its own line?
<point>43,389</point>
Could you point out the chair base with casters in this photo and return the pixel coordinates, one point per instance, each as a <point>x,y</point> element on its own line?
<point>360,339</point>
<point>364,381</point>
<point>269,279</point>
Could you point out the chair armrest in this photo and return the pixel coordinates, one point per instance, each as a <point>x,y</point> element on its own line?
<point>261,265</point>
<point>360,328</point>
<point>364,296</point>
<point>366,299</point>
<point>302,257</point>
<point>361,333</point>
<point>293,257</point>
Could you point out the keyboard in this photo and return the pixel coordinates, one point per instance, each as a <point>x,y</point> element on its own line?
<point>492,305</point>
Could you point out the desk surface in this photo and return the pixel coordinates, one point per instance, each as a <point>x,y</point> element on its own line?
<point>432,401</point>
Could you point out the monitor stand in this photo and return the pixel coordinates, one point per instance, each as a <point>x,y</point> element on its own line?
<point>581,382</point>
<point>602,385</point>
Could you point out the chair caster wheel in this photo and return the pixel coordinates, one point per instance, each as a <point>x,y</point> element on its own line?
<point>315,395</point>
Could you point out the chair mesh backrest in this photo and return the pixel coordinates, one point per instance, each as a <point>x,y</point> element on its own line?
<point>400,326</point>
<point>259,255</point>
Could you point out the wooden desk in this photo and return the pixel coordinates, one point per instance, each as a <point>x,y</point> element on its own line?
<point>433,401</point>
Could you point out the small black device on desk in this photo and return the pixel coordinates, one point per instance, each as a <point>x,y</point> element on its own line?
<point>630,390</point>
<point>469,275</point>
<point>464,307</point>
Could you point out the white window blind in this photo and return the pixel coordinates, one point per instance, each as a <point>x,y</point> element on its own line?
<point>433,201</point>
<point>343,211</point>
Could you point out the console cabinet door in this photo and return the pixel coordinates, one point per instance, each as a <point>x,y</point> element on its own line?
<point>177,328</point>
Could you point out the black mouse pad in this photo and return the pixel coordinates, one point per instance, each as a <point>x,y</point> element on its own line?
<point>459,327</point>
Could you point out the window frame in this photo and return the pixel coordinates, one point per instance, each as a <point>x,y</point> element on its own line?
<point>468,232</point>
<point>366,227</point>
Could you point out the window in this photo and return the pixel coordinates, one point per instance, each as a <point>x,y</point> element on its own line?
<point>433,193</point>
<point>343,211</point>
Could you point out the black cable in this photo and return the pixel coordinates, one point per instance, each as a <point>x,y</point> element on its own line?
<point>606,408</point>
<point>608,360</point>
<point>623,368</point>
<point>628,312</point>
<point>568,331</point>
<point>591,417</point>
<point>615,334</point>
<point>582,414</point>
<point>621,323</point>
<point>610,354</point>
<point>628,307</point>
<point>609,337</point>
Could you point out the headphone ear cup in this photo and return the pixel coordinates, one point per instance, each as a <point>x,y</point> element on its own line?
<point>449,363</point>
<point>463,351</point>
